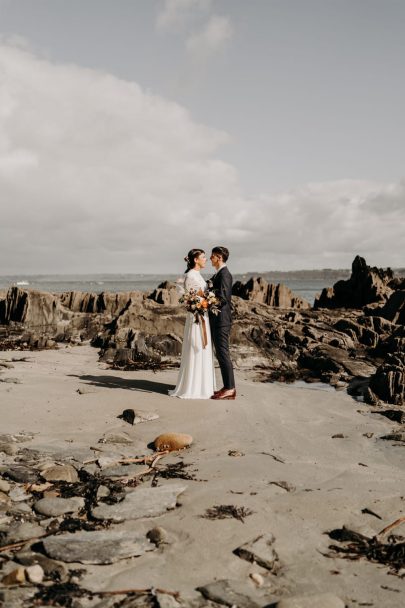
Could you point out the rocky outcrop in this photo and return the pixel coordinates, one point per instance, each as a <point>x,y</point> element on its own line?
<point>257,289</point>
<point>102,303</point>
<point>365,286</point>
<point>166,293</point>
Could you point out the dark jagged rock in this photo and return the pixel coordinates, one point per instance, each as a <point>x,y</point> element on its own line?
<point>257,289</point>
<point>388,382</point>
<point>365,286</point>
<point>393,309</point>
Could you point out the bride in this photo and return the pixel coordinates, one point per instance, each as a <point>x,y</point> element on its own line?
<point>196,378</point>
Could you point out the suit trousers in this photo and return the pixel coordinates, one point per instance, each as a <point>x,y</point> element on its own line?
<point>220,336</point>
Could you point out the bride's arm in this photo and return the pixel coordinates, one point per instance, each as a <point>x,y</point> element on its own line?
<point>191,283</point>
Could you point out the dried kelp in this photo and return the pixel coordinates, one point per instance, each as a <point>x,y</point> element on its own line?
<point>175,470</point>
<point>390,553</point>
<point>59,594</point>
<point>227,511</point>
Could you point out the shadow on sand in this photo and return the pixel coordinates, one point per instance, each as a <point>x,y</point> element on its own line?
<point>146,386</point>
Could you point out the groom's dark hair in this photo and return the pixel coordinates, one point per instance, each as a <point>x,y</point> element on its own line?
<point>222,251</point>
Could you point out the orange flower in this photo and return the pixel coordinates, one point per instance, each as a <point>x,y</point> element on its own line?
<point>205,304</point>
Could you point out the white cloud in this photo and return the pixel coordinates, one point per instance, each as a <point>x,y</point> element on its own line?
<point>210,39</point>
<point>98,175</point>
<point>176,13</point>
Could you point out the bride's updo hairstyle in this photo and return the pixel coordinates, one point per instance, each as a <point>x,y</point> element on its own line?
<point>190,258</point>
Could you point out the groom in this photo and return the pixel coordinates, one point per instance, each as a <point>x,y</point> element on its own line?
<point>221,323</point>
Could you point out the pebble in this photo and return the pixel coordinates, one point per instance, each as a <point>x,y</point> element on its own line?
<point>26,557</point>
<point>116,438</point>
<point>99,547</point>
<point>257,579</point>
<point>4,486</point>
<point>223,593</point>
<point>24,531</point>
<point>165,600</point>
<point>22,474</point>
<point>9,448</point>
<point>142,502</point>
<point>35,574</point>
<point>4,499</point>
<point>172,441</point>
<point>260,550</point>
<point>15,577</point>
<point>102,492</point>
<point>64,472</point>
<point>158,536</point>
<point>18,494</point>
<point>53,507</point>
<point>321,600</point>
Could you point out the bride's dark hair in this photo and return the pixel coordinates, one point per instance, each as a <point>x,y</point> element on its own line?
<point>190,258</point>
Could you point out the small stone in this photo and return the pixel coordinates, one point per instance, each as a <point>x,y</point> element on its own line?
<point>257,579</point>
<point>4,499</point>
<point>63,472</point>
<point>142,502</point>
<point>222,592</point>
<point>24,531</point>
<point>165,600</point>
<point>172,441</point>
<point>158,536</point>
<point>321,600</point>
<point>21,474</point>
<point>18,494</point>
<point>142,416</point>
<point>15,577</point>
<point>53,507</point>
<point>4,486</point>
<point>99,547</point>
<point>11,380</point>
<point>102,492</point>
<point>35,574</point>
<point>123,438</point>
<point>260,550</point>
<point>9,448</point>
<point>235,453</point>
<point>26,557</point>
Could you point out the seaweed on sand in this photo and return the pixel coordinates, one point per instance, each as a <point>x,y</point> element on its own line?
<point>227,511</point>
<point>390,553</point>
<point>177,470</point>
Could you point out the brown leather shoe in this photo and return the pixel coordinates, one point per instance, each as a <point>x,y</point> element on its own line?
<point>225,394</point>
<point>217,392</point>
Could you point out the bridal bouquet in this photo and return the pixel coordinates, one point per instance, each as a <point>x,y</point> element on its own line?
<point>200,302</point>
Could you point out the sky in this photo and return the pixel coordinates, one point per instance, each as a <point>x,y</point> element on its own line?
<point>134,130</point>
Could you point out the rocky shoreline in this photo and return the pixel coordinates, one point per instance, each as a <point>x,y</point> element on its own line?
<point>353,337</point>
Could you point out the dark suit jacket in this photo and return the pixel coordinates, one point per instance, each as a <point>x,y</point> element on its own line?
<point>222,285</point>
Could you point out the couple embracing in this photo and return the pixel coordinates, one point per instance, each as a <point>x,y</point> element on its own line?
<point>196,378</point>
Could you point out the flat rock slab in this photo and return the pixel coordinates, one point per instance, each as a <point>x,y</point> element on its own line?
<point>116,437</point>
<point>223,593</point>
<point>100,547</point>
<point>21,474</point>
<point>321,600</point>
<point>24,531</point>
<point>143,502</point>
<point>259,550</point>
<point>64,472</point>
<point>142,416</point>
<point>53,507</point>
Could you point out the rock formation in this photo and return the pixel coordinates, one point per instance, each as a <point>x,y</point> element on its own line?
<point>166,293</point>
<point>365,286</point>
<point>257,289</point>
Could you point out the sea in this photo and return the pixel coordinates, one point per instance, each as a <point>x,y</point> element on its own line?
<point>305,284</point>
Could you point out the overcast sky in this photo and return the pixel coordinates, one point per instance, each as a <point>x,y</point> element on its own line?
<point>133,130</point>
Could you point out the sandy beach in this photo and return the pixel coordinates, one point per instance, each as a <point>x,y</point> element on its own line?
<point>277,433</point>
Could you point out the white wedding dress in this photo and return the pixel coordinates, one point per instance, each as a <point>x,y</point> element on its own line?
<point>196,378</point>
